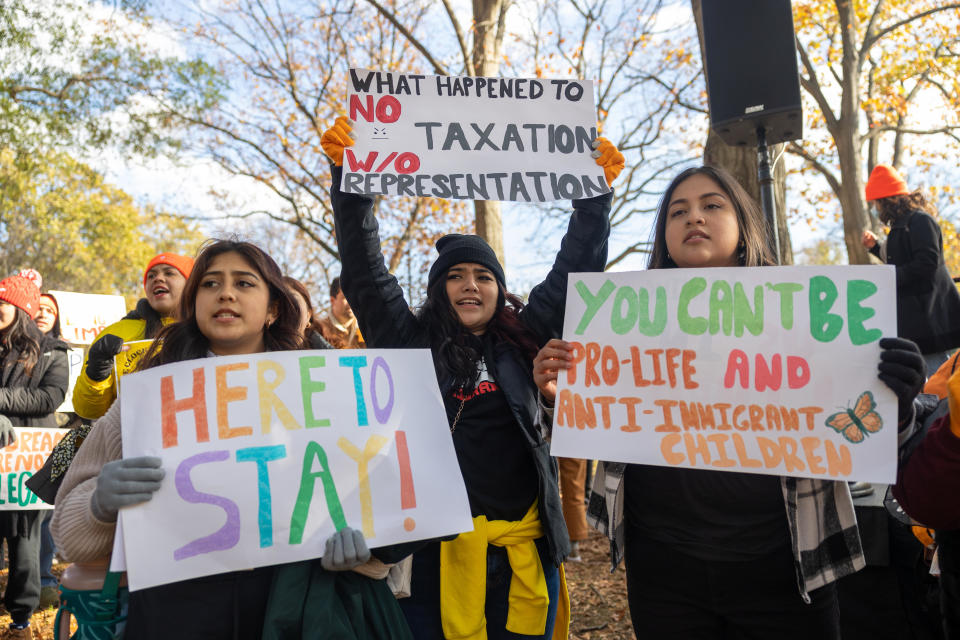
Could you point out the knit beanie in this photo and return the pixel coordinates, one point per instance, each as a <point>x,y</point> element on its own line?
<point>21,293</point>
<point>455,248</point>
<point>183,264</point>
<point>884,182</point>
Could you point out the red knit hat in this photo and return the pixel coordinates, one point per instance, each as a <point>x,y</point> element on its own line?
<point>21,293</point>
<point>183,264</point>
<point>884,182</point>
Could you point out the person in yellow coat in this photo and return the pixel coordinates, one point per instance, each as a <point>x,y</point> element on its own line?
<point>163,281</point>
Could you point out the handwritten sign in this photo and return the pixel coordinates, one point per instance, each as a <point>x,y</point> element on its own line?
<point>463,137</point>
<point>768,370</point>
<point>84,315</point>
<point>267,455</point>
<point>21,460</point>
<point>129,358</point>
<point>75,366</point>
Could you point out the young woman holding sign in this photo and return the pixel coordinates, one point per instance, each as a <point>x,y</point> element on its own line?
<point>235,302</point>
<point>33,383</point>
<point>503,577</point>
<point>714,554</point>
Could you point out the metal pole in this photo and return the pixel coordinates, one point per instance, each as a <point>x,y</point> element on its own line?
<point>767,202</point>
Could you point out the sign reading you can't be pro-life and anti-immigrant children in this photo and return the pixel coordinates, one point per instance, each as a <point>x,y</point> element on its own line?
<point>267,455</point>
<point>767,370</point>
<point>464,137</point>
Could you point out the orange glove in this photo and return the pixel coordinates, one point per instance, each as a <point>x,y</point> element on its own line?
<point>609,158</point>
<point>336,138</point>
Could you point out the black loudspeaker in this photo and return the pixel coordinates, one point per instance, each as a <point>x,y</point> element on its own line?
<point>751,67</point>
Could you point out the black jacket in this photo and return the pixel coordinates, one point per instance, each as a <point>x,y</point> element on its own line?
<point>30,401</point>
<point>386,320</point>
<point>928,303</point>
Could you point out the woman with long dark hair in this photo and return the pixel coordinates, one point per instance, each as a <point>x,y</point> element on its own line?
<point>33,383</point>
<point>503,578</point>
<point>714,554</point>
<point>235,302</point>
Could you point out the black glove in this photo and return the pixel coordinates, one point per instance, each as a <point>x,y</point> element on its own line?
<point>903,369</point>
<point>100,357</point>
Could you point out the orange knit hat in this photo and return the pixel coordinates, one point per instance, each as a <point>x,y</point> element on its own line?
<point>885,181</point>
<point>183,264</point>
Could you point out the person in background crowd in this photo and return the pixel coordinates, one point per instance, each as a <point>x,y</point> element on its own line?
<point>711,554</point>
<point>928,483</point>
<point>163,282</point>
<point>234,303</point>
<point>309,324</point>
<point>48,321</point>
<point>928,303</point>
<point>573,477</point>
<point>33,383</point>
<point>339,327</point>
<point>504,578</point>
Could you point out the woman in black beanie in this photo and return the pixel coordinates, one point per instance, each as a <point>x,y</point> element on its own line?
<point>483,340</point>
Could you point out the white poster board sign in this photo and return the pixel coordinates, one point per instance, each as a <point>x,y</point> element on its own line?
<point>75,366</point>
<point>19,461</point>
<point>267,455</point>
<point>765,370</point>
<point>464,137</point>
<point>84,315</point>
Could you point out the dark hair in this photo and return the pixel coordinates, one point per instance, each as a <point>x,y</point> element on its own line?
<point>20,342</point>
<point>301,289</point>
<point>754,249</point>
<point>893,208</point>
<point>335,287</point>
<point>182,340</point>
<point>456,351</point>
<point>55,331</point>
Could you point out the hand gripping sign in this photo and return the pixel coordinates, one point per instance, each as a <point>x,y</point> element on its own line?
<point>267,455</point>
<point>463,137</point>
<point>767,370</point>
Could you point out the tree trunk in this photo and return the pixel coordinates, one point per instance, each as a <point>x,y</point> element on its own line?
<point>487,14</point>
<point>853,201</point>
<point>742,163</point>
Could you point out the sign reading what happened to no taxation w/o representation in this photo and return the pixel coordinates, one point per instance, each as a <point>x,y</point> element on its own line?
<point>267,455</point>
<point>464,137</point>
<point>765,370</point>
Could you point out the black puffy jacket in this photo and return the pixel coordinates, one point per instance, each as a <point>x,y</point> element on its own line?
<point>386,320</point>
<point>30,401</point>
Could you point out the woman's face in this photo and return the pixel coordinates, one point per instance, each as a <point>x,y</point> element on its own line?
<point>163,286</point>
<point>701,228</point>
<point>8,313</point>
<point>233,306</point>
<point>47,316</point>
<point>473,292</point>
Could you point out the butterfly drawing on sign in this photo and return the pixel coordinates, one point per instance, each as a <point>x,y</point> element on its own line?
<point>857,423</point>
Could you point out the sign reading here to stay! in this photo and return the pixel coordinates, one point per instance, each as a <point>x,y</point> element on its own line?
<point>456,137</point>
<point>765,370</point>
<point>267,455</point>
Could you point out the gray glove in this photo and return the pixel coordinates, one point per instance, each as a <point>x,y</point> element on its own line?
<point>7,434</point>
<point>125,482</point>
<point>345,550</point>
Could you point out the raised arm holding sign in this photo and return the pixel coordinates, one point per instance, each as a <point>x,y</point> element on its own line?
<point>731,405</point>
<point>482,339</point>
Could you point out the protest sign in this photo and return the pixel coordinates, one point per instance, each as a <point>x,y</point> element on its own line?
<point>267,455</point>
<point>84,315</point>
<point>766,370</point>
<point>74,366</point>
<point>19,461</point>
<point>129,358</point>
<point>456,137</point>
